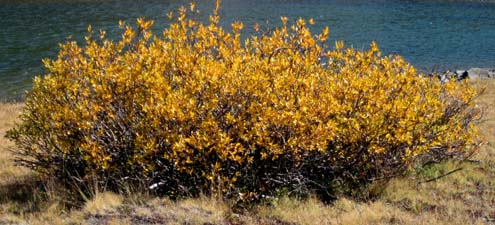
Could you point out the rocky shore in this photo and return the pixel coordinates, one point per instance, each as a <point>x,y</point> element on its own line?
<point>473,73</point>
<point>481,73</point>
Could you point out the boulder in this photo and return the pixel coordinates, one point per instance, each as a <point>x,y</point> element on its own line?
<point>482,73</point>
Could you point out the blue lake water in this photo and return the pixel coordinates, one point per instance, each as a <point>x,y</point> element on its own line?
<point>429,34</point>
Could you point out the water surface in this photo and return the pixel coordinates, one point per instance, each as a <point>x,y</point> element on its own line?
<point>429,34</point>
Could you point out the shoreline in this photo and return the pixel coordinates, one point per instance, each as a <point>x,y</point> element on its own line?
<point>473,73</point>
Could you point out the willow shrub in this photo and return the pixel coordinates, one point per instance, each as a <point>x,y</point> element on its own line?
<point>199,110</point>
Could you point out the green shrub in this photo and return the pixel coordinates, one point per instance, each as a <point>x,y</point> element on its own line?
<point>197,111</point>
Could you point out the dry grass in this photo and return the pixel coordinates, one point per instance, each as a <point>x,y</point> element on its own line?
<point>103,203</point>
<point>464,197</point>
<point>343,211</point>
<point>8,172</point>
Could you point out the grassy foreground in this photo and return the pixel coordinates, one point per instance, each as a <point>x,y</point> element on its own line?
<point>466,196</point>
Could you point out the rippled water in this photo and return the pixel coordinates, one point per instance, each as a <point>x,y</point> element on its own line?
<point>427,33</point>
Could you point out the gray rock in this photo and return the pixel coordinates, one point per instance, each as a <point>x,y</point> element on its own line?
<point>461,74</point>
<point>481,73</point>
<point>473,73</point>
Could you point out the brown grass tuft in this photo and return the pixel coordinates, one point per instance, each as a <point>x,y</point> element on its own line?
<point>103,203</point>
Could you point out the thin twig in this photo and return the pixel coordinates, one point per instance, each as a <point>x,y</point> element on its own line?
<point>472,161</point>
<point>438,177</point>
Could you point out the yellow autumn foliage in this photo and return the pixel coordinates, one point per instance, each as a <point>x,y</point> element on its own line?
<point>200,109</point>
